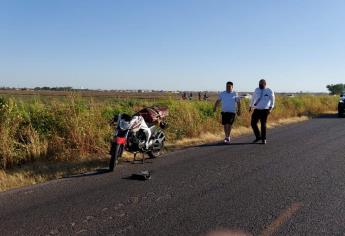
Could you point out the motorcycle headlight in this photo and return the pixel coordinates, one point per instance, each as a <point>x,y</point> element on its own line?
<point>124,125</point>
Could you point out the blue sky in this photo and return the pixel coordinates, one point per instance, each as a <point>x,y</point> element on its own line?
<point>173,45</point>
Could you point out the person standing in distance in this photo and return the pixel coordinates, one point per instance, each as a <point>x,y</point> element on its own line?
<point>230,106</point>
<point>263,101</point>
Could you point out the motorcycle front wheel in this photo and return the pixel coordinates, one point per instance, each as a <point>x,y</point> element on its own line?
<point>115,153</point>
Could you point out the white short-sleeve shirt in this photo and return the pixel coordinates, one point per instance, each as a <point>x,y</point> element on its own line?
<point>229,101</point>
<point>263,99</point>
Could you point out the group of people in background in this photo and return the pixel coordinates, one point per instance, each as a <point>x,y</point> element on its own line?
<point>261,105</point>
<point>190,96</point>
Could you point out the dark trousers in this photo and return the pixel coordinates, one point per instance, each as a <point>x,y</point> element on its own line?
<point>262,116</point>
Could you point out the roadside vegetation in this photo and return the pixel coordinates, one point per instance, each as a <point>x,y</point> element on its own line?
<point>40,136</point>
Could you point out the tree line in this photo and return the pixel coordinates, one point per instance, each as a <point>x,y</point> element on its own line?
<point>336,89</point>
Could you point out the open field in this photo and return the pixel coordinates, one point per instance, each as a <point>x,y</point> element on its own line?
<point>41,131</point>
<point>106,95</point>
<point>99,95</point>
<point>94,94</point>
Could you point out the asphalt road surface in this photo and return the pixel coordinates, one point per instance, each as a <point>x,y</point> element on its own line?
<point>294,185</point>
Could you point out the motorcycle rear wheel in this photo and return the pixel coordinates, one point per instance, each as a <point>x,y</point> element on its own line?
<point>156,153</point>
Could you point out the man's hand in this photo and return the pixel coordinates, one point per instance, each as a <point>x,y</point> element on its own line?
<point>216,105</point>
<point>270,110</point>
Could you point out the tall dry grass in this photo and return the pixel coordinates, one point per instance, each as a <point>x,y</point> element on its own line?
<point>71,129</point>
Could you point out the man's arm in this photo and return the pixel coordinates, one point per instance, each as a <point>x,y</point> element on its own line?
<point>216,105</point>
<point>273,100</point>
<point>252,101</point>
<point>238,102</point>
<point>239,107</point>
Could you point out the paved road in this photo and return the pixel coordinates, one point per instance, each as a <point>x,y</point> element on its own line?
<point>294,185</point>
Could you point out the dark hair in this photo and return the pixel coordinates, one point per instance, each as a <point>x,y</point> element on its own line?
<point>262,81</point>
<point>230,83</point>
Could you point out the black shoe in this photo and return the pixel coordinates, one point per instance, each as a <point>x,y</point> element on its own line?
<point>264,141</point>
<point>256,140</point>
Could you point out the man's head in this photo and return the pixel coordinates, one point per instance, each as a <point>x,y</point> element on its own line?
<point>262,84</point>
<point>229,86</point>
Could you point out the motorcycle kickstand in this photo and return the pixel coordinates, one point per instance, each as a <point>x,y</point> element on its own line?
<point>143,160</point>
<point>134,157</point>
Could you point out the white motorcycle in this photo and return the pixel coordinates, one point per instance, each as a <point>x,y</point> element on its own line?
<point>135,135</point>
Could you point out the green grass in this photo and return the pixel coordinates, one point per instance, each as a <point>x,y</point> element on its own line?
<point>51,129</point>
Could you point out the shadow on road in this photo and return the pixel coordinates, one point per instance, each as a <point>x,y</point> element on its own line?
<point>140,162</point>
<point>327,116</point>
<point>97,172</point>
<point>224,144</point>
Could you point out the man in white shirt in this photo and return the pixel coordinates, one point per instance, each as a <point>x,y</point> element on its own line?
<point>230,106</point>
<point>262,102</point>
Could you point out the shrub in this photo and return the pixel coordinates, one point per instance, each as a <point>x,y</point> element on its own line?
<point>75,127</point>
